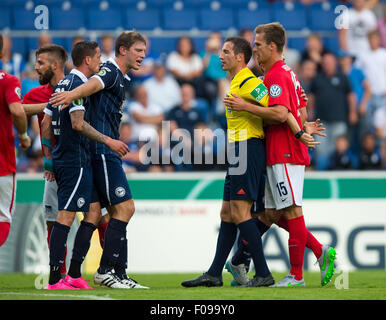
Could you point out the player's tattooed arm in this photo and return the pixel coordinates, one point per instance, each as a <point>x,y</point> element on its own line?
<point>85,129</point>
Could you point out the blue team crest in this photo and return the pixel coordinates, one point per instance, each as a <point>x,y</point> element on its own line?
<point>120,192</point>
<point>80,202</point>
<point>275,91</point>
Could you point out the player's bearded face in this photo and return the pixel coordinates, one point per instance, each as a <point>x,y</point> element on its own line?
<point>46,76</point>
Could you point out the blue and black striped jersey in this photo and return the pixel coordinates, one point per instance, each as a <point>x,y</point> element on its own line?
<point>71,148</point>
<point>107,104</point>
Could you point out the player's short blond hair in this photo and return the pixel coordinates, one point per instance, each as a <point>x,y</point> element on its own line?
<point>127,39</point>
<point>273,32</point>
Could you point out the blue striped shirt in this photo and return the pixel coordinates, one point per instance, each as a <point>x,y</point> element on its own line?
<point>71,148</point>
<point>107,104</point>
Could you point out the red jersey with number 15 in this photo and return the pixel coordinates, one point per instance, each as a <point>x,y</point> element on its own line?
<point>281,144</point>
<point>9,93</point>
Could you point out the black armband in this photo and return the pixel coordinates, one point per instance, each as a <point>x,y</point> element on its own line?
<point>299,134</point>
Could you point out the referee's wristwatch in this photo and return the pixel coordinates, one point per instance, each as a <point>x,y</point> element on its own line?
<point>299,134</point>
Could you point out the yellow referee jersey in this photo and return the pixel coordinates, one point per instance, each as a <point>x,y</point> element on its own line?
<point>247,86</point>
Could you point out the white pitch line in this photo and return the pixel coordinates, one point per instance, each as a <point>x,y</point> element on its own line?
<point>58,295</point>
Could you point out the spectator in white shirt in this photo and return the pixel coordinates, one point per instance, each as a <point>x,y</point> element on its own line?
<point>373,63</point>
<point>107,47</point>
<point>146,116</point>
<point>185,65</point>
<point>162,88</point>
<point>360,21</point>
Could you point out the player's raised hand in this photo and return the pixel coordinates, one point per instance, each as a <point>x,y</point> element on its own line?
<point>234,102</point>
<point>315,127</point>
<point>308,140</point>
<point>118,146</point>
<point>62,99</point>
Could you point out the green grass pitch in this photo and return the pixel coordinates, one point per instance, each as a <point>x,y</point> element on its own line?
<point>362,285</point>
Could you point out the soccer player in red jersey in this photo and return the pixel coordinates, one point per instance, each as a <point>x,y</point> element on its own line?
<point>286,155</point>
<point>11,113</point>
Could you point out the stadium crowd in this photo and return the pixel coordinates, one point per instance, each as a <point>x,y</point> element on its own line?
<point>346,89</point>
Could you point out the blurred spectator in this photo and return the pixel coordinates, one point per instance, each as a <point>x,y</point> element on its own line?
<point>69,64</point>
<point>331,99</point>
<point>205,148</point>
<point>30,81</point>
<point>362,90</point>
<point>373,63</point>
<point>146,116</point>
<point>185,64</point>
<point>44,39</point>
<point>213,71</point>
<point>130,161</point>
<point>249,35</point>
<point>370,157</point>
<point>12,62</point>
<point>360,22</point>
<point>342,158</point>
<point>107,47</point>
<point>381,24</point>
<point>307,72</point>
<point>380,126</point>
<point>162,88</point>
<point>147,66</point>
<point>185,116</point>
<point>314,50</point>
<point>291,57</point>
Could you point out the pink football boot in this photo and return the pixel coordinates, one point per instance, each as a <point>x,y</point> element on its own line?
<point>60,285</point>
<point>78,283</point>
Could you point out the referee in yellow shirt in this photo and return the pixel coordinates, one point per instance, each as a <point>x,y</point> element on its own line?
<point>243,187</point>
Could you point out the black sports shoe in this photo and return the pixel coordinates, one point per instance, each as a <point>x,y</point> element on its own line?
<point>205,280</point>
<point>260,281</point>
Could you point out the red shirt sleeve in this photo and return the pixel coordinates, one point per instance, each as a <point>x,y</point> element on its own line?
<point>12,91</point>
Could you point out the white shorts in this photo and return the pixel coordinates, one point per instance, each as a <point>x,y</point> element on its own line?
<point>284,186</point>
<point>50,200</point>
<point>7,197</point>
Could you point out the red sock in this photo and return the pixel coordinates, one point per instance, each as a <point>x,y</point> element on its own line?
<point>296,245</point>
<point>311,242</point>
<point>63,269</point>
<point>4,232</point>
<point>102,231</point>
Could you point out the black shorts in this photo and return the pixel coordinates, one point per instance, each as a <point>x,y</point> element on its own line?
<point>74,188</point>
<point>251,184</point>
<point>110,182</point>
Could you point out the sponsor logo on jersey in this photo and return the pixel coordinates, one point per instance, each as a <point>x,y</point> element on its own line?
<point>259,92</point>
<point>275,91</point>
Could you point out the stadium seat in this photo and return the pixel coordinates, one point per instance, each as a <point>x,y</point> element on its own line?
<point>295,19</point>
<point>179,19</point>
<point>23,19</point>
<point>250,19</point>
<point>104,19</point>
<point>321,18</point>
<point>163,45</point>
<point>67,20</point>
<point>5,18</point>
<point>161,4</point>
<point>197,3</point>
<point>221,19</point>
<point>19,45</point>
<point>142,20</point>
<point>332,44</point>
<point>297,43</point>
